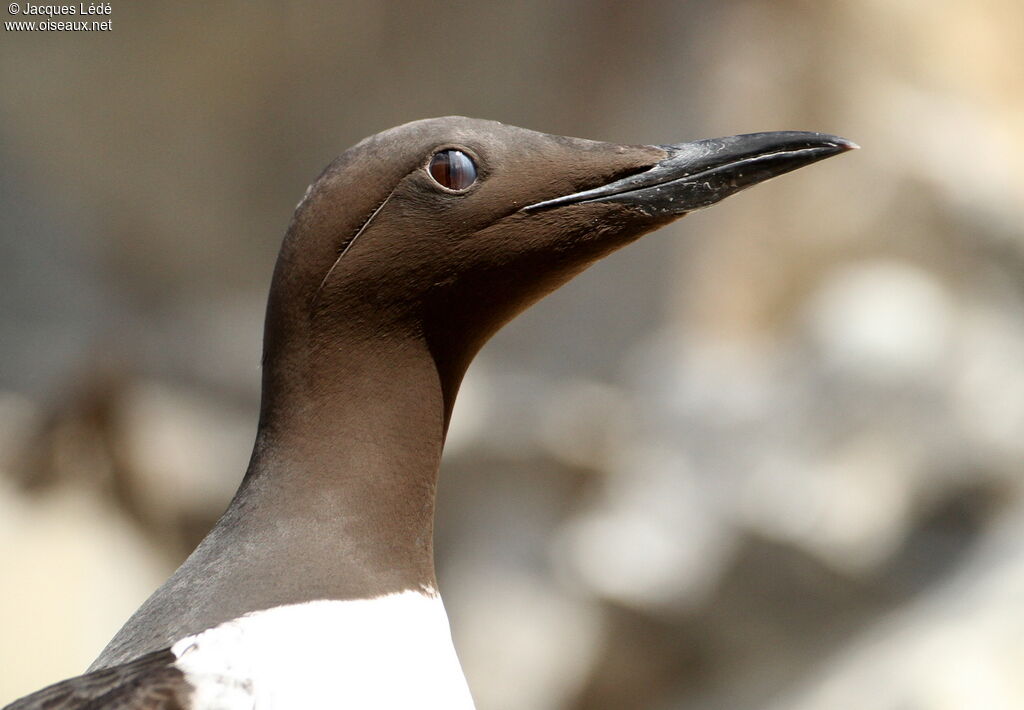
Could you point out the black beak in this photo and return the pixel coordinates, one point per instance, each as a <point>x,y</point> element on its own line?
<point>701,173</point>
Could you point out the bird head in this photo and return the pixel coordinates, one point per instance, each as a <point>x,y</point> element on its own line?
<point>444,229</point>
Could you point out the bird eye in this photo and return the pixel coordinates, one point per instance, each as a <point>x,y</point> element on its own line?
<point>452,169</point>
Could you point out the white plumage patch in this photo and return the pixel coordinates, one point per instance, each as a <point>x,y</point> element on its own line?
<point>368,654</point>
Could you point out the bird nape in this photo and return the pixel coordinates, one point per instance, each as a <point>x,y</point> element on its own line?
<point>316,587</point>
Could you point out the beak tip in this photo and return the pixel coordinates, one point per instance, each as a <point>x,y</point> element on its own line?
<point>844,144</point>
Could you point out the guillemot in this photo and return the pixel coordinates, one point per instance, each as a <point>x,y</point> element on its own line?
<point>316,587</point>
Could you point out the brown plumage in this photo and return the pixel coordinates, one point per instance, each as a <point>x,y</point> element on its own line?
<point>405,256</point>
<point>150,682</point>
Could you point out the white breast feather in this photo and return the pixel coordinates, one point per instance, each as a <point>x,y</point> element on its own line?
<point>386,653</point>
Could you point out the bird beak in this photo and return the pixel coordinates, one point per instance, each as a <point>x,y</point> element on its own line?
<point>698,174</point>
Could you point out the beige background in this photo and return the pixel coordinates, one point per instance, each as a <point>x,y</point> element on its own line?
<point>769,457</point>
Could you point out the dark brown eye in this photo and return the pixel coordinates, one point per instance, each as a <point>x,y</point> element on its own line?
<point>453,169</point>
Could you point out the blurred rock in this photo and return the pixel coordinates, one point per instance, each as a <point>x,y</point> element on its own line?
<point>653,539</point>
<point>882,319</point>
<point>959,646</point>
<point>525,643</point>
<point>79,563</point>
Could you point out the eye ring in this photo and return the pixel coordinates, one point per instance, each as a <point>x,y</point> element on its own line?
<point>453,169</point>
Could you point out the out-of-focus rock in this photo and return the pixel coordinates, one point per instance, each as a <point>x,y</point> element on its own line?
<point>524,643</point>
<point>653,539</point>
<point>188,451</point>
<point>883,319</point>
<point>959,646</point>
<point>59,556</point>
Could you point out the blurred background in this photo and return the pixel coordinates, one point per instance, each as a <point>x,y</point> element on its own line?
<point>769,457</point>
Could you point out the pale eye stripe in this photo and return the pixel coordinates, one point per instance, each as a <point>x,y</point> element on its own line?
<point>346,247</point>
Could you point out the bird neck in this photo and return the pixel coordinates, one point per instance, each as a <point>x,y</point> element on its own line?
<point>338,500</point>
<point>346,461</point>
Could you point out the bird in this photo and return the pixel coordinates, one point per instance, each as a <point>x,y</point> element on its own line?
<point>316,587</point>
